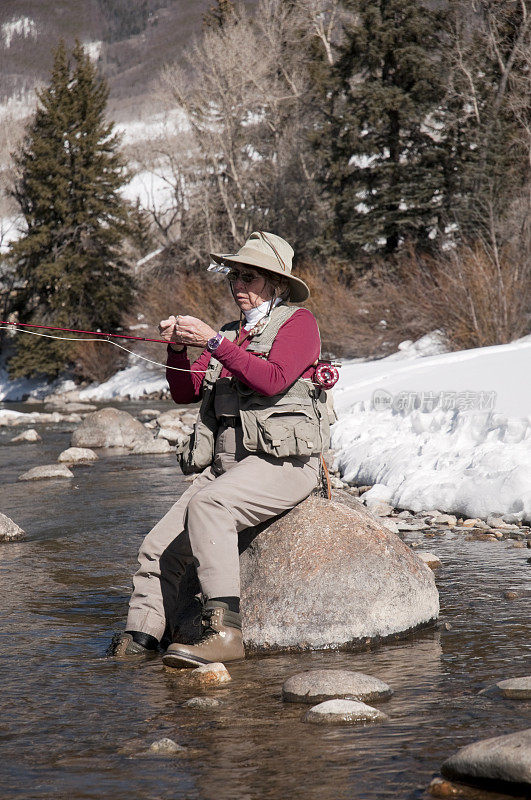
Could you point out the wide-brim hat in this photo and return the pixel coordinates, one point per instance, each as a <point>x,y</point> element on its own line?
<point>271,253</point>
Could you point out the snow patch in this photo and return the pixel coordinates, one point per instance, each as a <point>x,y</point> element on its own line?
<point>23,26</point>
<point>470,455</point>
<point>133,382</point>
<point>92,49</point>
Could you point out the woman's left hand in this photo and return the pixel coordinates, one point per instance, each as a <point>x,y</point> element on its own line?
<point>192,331</point>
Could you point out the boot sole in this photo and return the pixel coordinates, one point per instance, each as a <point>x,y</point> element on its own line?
<point>175,660</point>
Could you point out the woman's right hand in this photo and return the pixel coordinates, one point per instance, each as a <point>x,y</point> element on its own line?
<point>167,331</point>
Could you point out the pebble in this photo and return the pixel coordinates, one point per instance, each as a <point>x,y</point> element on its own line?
<point>475,523</point>
<point>46,471</point>
<point>518,545</point>
<point>511,595</point>
<point>516,688</point>
<point>433,561</point>
<point>201,702</point>
<point>500,523</point>
<point>9,530</point>
<point>380,508</point>
<point>165,747</point>
<point>390,524</point>
<point>337,712</point>
<point>30,435</point>
<point>148,414</point>
<point>156,446</point>
<point>441,788</point>
<point>410,526</point>
<point>208,674</point>
<point>317,685</point>
<point>445,519</point>
<point>73,455</point>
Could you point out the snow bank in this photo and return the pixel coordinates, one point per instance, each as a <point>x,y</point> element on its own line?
<point>449,431</point>
<point>19,388</point>
<point>133,382</point>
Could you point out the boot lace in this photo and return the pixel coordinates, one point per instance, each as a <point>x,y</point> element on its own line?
<point>206,621</point>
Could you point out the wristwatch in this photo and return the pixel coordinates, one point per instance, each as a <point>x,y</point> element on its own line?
<point>214,343</point>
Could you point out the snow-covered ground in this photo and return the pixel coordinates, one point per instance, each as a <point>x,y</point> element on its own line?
<point>450,431</point>
<point>135,382</point>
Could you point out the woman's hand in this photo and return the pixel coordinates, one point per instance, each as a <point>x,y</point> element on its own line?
<point>186,330</point>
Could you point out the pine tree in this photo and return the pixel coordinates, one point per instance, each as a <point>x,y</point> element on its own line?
<point>70,262</point>
<point>380,144</point>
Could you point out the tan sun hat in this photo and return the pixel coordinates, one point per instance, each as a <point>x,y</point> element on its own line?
<point>269,252</point>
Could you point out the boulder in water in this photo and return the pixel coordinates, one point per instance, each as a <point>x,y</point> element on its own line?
<point>9,530</point>
<point>30,435</point>
<point>327,574</point>
<point>318,685</point>
<point>505,759</point>
<point>110,427</point>
<point>46,471</point>
<point>77,455</point>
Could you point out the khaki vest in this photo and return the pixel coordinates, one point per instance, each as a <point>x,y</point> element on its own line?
<point>295,422</point>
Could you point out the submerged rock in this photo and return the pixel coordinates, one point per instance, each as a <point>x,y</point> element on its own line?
<point>201,702</point>
<point>9,530</point>
<point>165,747</point>
<point>30,435</point>
<point>340,712</point>
<point>75,455</point>
<point>516,688</point>
<point>502,758</point>
<point>110,427</point>
<point>46,471</point>
<point>328,574</point>
<point>318,685</point>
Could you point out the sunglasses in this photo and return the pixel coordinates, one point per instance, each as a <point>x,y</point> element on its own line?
<point>245,277</point>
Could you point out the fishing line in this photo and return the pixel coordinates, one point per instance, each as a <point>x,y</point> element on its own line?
<point>115,344</point>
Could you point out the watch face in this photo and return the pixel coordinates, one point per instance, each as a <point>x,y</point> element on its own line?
<point>213,343</point>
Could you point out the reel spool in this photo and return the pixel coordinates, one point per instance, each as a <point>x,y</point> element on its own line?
<point>326,374</point>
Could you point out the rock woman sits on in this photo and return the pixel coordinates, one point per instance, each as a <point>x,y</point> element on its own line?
<point>261,428</point>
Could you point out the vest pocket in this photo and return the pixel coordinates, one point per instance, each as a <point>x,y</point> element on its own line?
<point>281,432</point>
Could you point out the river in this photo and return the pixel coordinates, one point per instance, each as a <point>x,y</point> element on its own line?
<point>75,724</point>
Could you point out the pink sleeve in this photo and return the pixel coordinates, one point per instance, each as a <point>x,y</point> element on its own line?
<point>185,387</point>
<point>296,347</point>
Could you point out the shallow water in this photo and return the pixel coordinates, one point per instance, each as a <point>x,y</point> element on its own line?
<point>75,724</point>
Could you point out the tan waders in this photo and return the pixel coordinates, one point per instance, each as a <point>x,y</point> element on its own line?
<point>237,491</point>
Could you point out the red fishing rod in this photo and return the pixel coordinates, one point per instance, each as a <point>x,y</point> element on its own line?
<point>76,330</point>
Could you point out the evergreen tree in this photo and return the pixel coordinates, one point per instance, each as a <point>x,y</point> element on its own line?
<point>380,144</point>
<point>70,262</point>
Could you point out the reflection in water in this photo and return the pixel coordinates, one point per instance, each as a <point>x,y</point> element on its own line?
<point>75,724</point>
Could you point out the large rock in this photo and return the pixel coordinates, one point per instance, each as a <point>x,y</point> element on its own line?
<point>9,530</point>
<point>504,759</point>
<point>328,574</point>
<point>110,427</point>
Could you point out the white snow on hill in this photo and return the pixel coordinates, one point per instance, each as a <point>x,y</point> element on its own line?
<point>450,431</point>
<point>23,26</point>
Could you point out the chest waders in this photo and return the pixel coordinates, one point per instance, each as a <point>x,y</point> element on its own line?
<point>295,422</point>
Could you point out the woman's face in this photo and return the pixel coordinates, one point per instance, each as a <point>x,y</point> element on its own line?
<point>249,287</point>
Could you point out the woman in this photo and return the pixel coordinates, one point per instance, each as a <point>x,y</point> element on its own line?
<point>261,428</point>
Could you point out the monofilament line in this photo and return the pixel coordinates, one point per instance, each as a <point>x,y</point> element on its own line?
<point>108,341</point>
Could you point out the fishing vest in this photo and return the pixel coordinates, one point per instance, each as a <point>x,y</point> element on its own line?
<point>295,422</point>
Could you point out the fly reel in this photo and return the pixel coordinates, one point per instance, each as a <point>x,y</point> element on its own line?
<point>326,374</point>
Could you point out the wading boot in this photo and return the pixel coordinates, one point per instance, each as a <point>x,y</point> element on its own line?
<point>124,645</point>
<point>221,640</point>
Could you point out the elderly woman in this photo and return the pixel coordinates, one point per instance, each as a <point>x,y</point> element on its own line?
<point>261,428</point>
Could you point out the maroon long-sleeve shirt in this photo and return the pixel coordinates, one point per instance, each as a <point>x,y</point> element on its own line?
<point>295,349</point>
